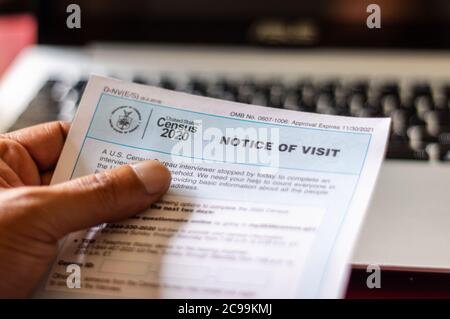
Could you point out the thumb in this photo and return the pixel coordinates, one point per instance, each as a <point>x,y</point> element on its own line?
<point>109,196</point>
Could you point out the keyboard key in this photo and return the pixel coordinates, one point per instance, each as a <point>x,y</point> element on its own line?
<point>59,91</point>
<point>389,103</point>
<point>276,94</point>
<point>439,152</point>
<point>325,104</point>
<point>245,93</point>
<point>356,104</point>
<point>67,110</point>
<point>308,94</point>
<point>423,104</point>
<point>259,98</point>
<point>419,134</point>
<point>437,121</point>
<point>292,101</point>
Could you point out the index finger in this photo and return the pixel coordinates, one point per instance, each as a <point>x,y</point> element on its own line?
<point>44,142</point>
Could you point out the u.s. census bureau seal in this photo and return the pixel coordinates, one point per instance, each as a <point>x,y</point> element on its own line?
<point>125,119</point>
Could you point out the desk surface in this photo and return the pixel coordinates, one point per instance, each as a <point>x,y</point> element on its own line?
<point>399,284</point>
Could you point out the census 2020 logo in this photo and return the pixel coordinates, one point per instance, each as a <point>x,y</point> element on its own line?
<point>125,119</point>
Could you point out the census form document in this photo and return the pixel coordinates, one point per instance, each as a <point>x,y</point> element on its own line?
<point>264,203</point>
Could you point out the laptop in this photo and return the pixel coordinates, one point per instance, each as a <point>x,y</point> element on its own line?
<point>310,56</point>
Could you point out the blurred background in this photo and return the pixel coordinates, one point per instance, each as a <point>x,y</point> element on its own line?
<point>311,56</point>
<point>406,23</point>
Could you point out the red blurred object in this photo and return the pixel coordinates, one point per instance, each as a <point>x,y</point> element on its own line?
<point>16,33</point>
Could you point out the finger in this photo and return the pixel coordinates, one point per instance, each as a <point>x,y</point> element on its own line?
<point>16,163</point>
<point>105,197</point>
<point>8,176</point>
<point>44,142</point>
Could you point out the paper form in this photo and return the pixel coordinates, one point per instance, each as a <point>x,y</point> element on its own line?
<point>264,203</point>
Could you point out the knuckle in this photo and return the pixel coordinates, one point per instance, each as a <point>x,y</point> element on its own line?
<point>106,190</point>
<point>10,147</point>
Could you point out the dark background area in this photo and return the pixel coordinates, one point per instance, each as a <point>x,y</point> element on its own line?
<point>287,23</point>
<point>332,23</point>
<point>14,6</point>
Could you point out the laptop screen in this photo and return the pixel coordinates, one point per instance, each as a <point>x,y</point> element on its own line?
<point>291,23</point>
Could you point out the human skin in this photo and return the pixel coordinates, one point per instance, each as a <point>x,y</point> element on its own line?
<point>34,215</point>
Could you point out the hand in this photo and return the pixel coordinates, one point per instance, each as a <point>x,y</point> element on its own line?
<point>34,216</point>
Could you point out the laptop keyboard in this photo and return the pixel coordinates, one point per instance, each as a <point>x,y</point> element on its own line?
<point>420,112</point>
